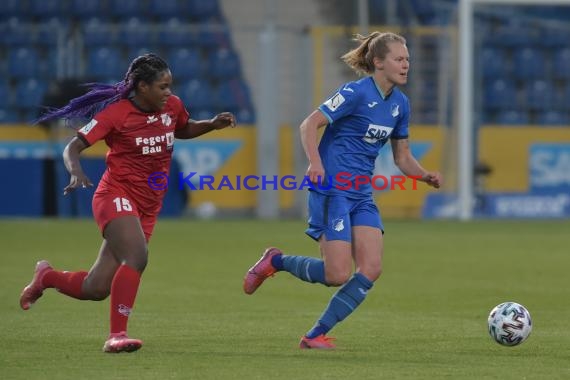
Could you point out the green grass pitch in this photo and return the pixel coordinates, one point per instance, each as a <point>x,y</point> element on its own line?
<point>424,319</point>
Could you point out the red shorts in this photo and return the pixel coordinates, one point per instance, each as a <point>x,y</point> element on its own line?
<point>110,205</point>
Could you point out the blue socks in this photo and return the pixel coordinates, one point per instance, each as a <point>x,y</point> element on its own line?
<point>307,269</point>
<point>342,304</point>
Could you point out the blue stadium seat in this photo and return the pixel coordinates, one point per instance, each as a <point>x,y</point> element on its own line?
<point>98,33</point>
<point>424,11</point>
<point>106,64</point>
<point>86,9</point>
<point>14,8</point>
<point>30,94</point>
<point>485,117</point>
<point>513,117</point>
<point>165,9</point>
<point>553,37</point>
<point>17,33</point>
<point>175,33</point>
<point>30,115</point>
<point>510,36</point>
<point>561,64</point>
<point>232,95</point>
<point>203,11</point>
<point>225,98</point>
<point>493,62</point>
<point>529,63</point>
<point>45,9</point>
<point>197,94</point>
<point>549,13</point>
<point>3,68</point>
<point>51,32</point>
<point>539,95</point>
<point>22,62</point>
<point>214,36</point>
<point>135,32</point>
<point>136,51</point>
<point>48,65</point>
<point>125,9</point>
<point>201,114</point>
<point>185,64</point>
<point>500,94</point>
<point>8,115</point>
<point>553,118</point>
<point>562,99</point>
<point>223,64</point>
<point>245,116</point>
<point>5,98</point>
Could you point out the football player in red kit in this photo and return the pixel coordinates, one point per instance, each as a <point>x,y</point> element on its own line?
<point>139,119</point>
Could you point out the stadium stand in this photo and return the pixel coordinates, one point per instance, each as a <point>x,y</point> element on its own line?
<point>553,118</point>
<point>513,117</point>
<point>492,62</point>
<point>529,64</point>
<point>106,64</point>
<point>46,40</point>
<point>87,9</point>
<point>30,93</point>
<point>501,94</point>
<point>539,95</point>
<point>561,64</point>
<point>187,63</point>
<point>46,9</point>
<point>523,53</point>
<point>61,39</point>
<point>22,62</point>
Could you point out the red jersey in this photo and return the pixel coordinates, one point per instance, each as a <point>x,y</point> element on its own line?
<point>141,143</point>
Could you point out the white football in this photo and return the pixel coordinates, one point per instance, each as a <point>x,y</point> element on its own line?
<point>509,323</point>
<point>206,210</point>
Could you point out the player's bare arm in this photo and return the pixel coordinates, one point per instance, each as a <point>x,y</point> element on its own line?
<point>406,162</point>
<point>71,160</point>
<point>308,129</point>
<point>195,128</point>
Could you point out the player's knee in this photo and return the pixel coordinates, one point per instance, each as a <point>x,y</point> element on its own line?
<point>372,271</point>
<point>96,293</point>
<point>100,294</point>
<point>137,260</point>
<point>337,278</point>
<point>138,263</point>
<point>94,289</point>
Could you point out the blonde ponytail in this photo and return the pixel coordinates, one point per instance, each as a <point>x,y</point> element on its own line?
<point>361,58</point>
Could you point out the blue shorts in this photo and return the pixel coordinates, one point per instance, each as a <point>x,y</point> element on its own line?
<point>335,215</point>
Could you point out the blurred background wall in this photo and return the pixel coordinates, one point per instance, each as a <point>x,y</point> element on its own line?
<point>271,63</point>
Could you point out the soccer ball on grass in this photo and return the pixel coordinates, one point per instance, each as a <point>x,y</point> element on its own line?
<point>509,323</point>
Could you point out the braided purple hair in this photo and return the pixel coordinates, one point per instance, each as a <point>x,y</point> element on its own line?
<point>146,67</point>
<point>99,96</point>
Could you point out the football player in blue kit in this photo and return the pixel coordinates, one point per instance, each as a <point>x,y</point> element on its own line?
<point>360,118</point>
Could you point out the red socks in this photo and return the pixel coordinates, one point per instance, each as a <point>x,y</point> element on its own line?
<point>123,293</point>
<point>68,283</point>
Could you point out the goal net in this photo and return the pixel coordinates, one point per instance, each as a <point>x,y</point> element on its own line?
<point>512,123</point>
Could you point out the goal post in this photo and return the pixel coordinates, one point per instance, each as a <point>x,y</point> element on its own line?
<point>466,109</point>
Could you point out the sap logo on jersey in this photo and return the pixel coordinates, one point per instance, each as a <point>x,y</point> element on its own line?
<point>376,133</point>
<point>149,144</point>
<point>550,167</point>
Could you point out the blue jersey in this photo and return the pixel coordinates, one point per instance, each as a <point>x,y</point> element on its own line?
<point>361,120</point>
